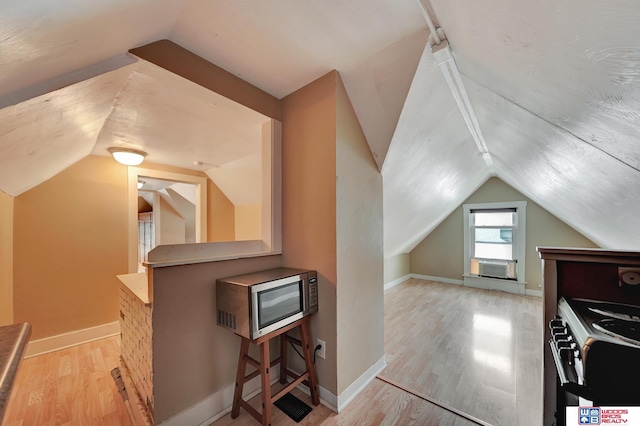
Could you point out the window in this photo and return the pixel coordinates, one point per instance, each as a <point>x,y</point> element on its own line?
<point>494,239</point>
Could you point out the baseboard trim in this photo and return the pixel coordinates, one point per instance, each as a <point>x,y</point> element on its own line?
<point>397,281</point>
<point>535,293</point>
<point>340,402</point>
<point>485,283</point>
<point>218,404</point>
<point>327,398</point>
<point>359,384</point>
<point>438,279</point>
<point>482,283</point>
<point>72,338</point>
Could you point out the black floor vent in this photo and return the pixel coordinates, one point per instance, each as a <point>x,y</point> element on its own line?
<point>293,407</point>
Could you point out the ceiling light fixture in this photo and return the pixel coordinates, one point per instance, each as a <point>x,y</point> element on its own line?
<point>127,156</point>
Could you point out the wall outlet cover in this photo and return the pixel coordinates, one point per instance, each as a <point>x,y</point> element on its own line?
<point>321,351</point>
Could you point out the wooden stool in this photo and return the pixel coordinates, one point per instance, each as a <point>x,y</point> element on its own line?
<point>264,370</point>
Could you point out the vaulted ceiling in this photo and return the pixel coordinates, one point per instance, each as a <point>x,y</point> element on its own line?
<point>555,87</point>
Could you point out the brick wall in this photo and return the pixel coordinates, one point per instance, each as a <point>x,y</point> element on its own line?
<point>136,332</point>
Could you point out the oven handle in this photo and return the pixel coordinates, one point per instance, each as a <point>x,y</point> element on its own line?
<point>569,386</point>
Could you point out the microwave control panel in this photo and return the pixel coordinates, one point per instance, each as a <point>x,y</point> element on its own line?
<point>313,294</point>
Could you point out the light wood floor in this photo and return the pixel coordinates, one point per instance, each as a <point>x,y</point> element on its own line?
<point>474,350</point>
<point>69,387</point>
<point>379,404</point>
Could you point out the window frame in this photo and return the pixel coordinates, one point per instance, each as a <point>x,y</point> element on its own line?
<point>518,236</point>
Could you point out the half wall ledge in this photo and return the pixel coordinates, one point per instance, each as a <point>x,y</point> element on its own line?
<point>138,285</point>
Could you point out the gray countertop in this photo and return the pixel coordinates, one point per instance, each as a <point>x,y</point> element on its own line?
<point>13,341</point>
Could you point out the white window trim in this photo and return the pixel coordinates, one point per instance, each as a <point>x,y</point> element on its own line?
<point>520,250</point>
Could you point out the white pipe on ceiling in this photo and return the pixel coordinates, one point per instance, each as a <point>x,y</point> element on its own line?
<point>430,24</point>
<point>444,58</point>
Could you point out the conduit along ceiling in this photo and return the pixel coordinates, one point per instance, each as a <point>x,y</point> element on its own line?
<point>554,87</point>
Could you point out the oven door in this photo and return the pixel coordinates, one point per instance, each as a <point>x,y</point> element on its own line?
<point>570,391</point>
<point>569,371</point>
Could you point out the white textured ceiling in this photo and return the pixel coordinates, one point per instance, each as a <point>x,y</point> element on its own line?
<point>555,86</point>
<point>42,136</point>
<point>178,122</point>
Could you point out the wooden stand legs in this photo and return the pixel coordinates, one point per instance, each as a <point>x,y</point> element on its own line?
<point>263,369</point>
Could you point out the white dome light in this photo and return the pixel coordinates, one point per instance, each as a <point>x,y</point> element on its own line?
<point>127,156</point>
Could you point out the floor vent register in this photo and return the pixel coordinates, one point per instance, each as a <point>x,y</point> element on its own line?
<point>293,407</point>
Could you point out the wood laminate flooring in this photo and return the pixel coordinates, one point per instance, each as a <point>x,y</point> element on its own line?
<point>474,350</point>
<point>378,404</point>
<point>69,387</point>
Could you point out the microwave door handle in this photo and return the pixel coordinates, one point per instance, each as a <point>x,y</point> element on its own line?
<point>255,325</point>
<point>305,296</point>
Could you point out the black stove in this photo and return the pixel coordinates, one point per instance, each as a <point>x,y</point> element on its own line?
<point>596,349</point>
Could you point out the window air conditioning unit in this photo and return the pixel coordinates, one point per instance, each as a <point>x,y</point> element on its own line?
<point>494,269</point>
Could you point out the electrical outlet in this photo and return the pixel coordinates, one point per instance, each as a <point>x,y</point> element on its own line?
<point>322,345</point>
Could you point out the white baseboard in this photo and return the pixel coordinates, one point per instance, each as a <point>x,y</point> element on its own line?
<point>438,279</point>
<point>485,283</point>
<point>72,338</point>
<point>339,403</point>
<point>397,281</point>
<point>218,404</point>
<point>327,398</point>
<point>359,384</point>
<point>536,293</point>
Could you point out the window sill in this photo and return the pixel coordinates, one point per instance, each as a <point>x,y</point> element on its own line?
<point>510,286</point>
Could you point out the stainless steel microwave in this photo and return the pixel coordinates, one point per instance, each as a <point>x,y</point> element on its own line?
<point>255,304</point>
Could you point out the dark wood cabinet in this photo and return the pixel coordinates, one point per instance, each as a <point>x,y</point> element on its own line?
<point>579,273</point>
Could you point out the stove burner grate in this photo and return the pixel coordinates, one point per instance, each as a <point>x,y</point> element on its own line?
<point>628,331</point>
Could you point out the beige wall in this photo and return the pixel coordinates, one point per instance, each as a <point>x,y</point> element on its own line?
<point>6,259</point>
<point>188,212</point>
<point>396,267</point>
<point>69,245</point>
<point>248,222</point>
<point>193,357</point>
<point>441,253</point>
<point>169,224</point>
<point>220,210</point>
<point>310,214</point>
<point>309,203</point>
<point>70,241</point>
<point>221,225</point>
<point>360,251</point>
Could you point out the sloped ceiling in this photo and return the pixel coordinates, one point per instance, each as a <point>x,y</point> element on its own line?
<point>42,136</point>
<point>178,122</point>
<point>555,87</point>
<point>42,40</point>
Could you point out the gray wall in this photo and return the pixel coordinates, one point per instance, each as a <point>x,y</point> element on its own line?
<point>441,253</point>
<point>396,267</point>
